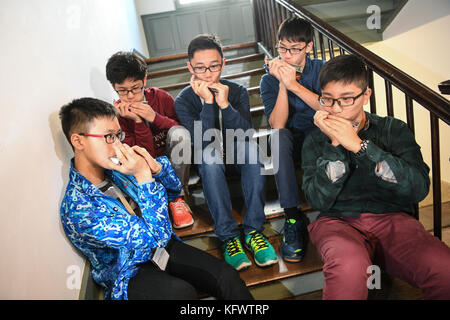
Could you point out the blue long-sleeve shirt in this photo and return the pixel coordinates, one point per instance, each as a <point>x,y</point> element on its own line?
<point>114,241</point>
<point>300,114</point>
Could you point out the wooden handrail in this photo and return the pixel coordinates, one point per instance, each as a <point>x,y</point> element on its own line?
<point>428,98</point>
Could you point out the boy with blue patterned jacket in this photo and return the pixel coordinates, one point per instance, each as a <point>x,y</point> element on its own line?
<point>115,210</point>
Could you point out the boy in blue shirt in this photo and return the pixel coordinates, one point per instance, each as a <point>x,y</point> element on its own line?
<point>289,92</point>
<point>115,210</point>
<point>219,105</point>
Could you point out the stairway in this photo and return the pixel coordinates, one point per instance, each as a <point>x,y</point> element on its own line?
<point>244,65</point>
<point>302,280</point>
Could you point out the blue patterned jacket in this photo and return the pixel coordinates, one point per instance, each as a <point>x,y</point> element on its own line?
<point>114,241</point>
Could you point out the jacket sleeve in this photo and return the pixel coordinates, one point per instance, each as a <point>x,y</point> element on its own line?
<point>168,178</point>
<point>184,109</point>
<point>166,117</point>
<point>320,191</point>
<point>404,158</point>
<point>269,93</point>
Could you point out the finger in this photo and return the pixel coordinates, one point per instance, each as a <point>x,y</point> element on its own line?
<point>116,106</point>
<point>154,165</point>
<point>339,119</point>
<point>333,125</point>
<point>126,151</point>
<point>215,86</point>
<point>119,154</point>
<point>142,152</point>
<point>136,110</point>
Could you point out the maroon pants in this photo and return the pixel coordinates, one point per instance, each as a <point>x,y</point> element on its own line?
<point>396,242</point>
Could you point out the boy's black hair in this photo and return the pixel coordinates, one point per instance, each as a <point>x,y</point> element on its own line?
<point>345,68</point>
<point>295,29</point>
<point>204,42</point>
<point>124,65</point>
<point>78,114</point>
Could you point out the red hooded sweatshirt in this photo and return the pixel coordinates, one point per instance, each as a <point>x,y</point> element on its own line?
<point>152,136</point>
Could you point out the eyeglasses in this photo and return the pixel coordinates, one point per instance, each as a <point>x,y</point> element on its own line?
<point>291,50</point>
<point>125,92</point>
<point>110,138</point>
<point>213,68</point>
<point>342,102</point>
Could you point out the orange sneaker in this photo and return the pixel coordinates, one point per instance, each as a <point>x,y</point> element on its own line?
<point>181,213</point>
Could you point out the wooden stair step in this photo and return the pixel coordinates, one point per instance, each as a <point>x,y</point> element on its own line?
<point>247,58</point>
<point>253,90</point>
<point>257,110</point>
<point>255,275</point>
<point>184,55</point>
<point>203,223</point>
<point>228,77</point>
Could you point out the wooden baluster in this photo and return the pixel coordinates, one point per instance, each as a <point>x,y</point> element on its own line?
<point>322,47</point>
<point>330,48</point>
<point>273,26</point>
<point>373,103</point>
<point>278,15</point>
<point>284,13</point>
<point>265,24</point>
<point>257,20</point>
<point>410,121</point>
<point>315,44</point>
<point>436,176</point>
<point>389,101</point>
<point>409,113</point>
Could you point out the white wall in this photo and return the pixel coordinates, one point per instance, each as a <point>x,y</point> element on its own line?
<point>417,43</point>
<point>52,52</point>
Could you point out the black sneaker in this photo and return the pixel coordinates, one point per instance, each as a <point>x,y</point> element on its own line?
<point>295,239</point>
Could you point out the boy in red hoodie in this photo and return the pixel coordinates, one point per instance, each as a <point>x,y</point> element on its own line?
<point>148,118</point>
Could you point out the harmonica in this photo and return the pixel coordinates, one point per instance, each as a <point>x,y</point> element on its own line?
<point>115,160</point>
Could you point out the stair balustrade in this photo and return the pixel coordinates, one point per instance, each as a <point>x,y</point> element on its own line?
<point>268,15</point>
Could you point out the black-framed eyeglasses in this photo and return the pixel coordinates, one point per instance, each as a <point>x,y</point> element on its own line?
<point>291,50</point>
<point>212,68</point>
<point>342,102</point>
<point>125,92</point>
<point>110,138</point>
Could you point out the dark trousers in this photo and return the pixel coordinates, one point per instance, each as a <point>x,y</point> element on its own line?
<point>189,271</point>
<point>288,157</point>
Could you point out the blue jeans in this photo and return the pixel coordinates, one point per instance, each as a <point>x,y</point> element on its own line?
<point>218,199</point>
<point>290,146</point>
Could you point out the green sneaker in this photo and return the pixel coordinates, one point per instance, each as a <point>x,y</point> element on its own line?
<point>234,254</point>
<point>263,251</point>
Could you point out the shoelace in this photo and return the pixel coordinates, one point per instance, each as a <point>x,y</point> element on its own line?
<point>233,247</point>
<point>178,206</point>
<point>258,242</point>
<point>290,232</point>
